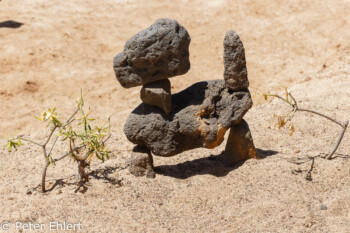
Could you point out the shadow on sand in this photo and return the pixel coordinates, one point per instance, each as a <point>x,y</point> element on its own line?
<point>102,174</point>
<point>212,165</point>
<point>10,24</point>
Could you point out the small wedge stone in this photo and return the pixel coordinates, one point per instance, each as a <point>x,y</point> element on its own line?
<point>157,94</point>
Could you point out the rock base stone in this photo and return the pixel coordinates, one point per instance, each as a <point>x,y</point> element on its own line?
<point>240,145</point>
<point>141,162</point>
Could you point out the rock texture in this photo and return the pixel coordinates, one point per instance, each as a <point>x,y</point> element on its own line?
<point>235,73</point>
<point>141,162</point>
<point>239,146</point>
<point>200,116</point>
<point>157,94</point>
<point>158,52</point>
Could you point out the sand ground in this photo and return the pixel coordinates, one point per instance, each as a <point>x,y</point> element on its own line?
<point>65,46</point>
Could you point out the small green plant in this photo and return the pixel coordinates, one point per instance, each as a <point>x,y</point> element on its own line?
<point>283,120</point>
<point>84,140</point>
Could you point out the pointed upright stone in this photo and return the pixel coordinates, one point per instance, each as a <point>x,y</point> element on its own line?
<point>235,73</point>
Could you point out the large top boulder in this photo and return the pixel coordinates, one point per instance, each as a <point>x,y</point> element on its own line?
<point>157,52</point>
<point>235,73</point>
<point>200,116</point>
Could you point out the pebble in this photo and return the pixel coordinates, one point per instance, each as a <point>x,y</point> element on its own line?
<point>323,207</point>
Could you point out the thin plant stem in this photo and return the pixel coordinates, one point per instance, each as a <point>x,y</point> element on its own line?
<point>68,153</point>
<point>279,97</point>
<point>340,137</point>
<point>50,135</point>
<point>295,107</point>
<point>46,164</point>
<point>320,114</point>
<point>75,149</point>
<point>28,140</point>
<point>70,118</point>
<point>53,145</point>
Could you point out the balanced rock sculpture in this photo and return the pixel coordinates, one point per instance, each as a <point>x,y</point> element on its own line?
<point>199,116</point>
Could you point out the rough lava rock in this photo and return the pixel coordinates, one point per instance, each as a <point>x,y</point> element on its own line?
<point>235,73</point>
<point>157,52</point>
<point>157,94</point>
<point>200,116</point>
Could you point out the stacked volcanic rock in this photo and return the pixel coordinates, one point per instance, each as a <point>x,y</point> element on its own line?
<point>199,116</point>
<point>151,57</point>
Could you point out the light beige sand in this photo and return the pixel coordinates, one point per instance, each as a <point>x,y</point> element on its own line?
<point>64,46</point>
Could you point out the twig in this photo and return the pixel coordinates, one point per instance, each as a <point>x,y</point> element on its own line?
<point>294,100</point>
<point>296,108</point>
<point>340,137</point>
<point>68,153</point>
<point>77,148</point>
<point>70,118</point>
<point>53,145</point>
<point>279,97</point>
<point>320,114</point>
<point>43,175</point>
<point>50,135</point>
<point>28,140</point>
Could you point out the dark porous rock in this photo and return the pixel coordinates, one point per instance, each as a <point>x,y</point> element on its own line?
<point>157,52</point>
<point>157,94</point>
<point>240,145</point>
<point>235,73</point>
<point>200,116</point>
<point>141,162</point>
